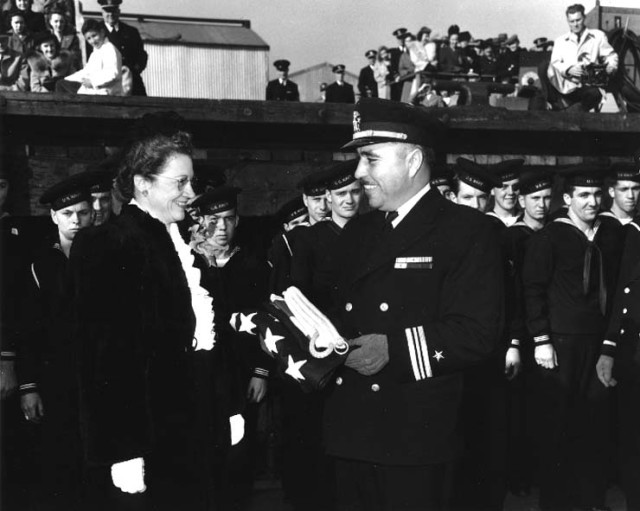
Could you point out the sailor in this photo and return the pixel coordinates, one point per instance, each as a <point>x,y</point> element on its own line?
<point>237,279</point>
<point>535,199</point>
<point>314,196</point>
<point>623,185</point>
<point>505,207</point>
<point>442,179</point>
<point>46,355</point>
<point>311,264</point>
<point>292,215</point>
<point>472,185</point>
<point>569,272</point>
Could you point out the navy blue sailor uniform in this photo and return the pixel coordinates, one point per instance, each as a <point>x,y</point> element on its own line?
<point>568,280</point>
<point>438,299</point>
<point>623,342</point>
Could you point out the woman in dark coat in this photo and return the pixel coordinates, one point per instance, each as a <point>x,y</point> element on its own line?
<point>146,337</point>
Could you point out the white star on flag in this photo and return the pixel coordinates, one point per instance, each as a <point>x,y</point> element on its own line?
<point>270,341</point>
<point>438,356</point>
<point>293,368</point>
<point>246,325</point>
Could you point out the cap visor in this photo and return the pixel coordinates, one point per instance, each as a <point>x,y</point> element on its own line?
<point>360,142</point>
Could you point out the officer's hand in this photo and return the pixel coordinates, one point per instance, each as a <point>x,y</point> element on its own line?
<point>371,355</point>
<point>546,356</point>
<point>257,389</point>
<point>32,407</point>
<point>610,69</point>
<point>513,363</point>
<point>576,71</point>
<point>604,370</point>
<point>8,380</point>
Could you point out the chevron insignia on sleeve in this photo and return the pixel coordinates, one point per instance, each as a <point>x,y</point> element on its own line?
<point>418,353</point>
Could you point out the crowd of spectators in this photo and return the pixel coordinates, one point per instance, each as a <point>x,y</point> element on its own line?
<point>458,56</point>
<point>41,51</point>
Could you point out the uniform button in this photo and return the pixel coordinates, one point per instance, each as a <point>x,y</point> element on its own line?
<point>339,380</point>
<point>627,290</point>
<point>621,331</point>
<point>375,387</point>
<point>624,311</point>
<point>348,307</point>
<point>384,306</point>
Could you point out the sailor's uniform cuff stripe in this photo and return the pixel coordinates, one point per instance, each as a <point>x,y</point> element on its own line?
<point>542,339</point>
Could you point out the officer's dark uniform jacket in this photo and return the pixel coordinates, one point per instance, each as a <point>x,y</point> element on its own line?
<point>569,280</point>
<point>340,93</point>
<point>312,263</point>
<point>367,84</point>
<point>623,332</point>
<point>128,41</point>
<point>276,91</point>
<point>433,285</point>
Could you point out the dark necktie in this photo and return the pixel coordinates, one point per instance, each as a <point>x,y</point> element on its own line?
<point>388,219</point>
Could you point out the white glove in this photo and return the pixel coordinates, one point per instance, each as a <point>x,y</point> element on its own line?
<point>237,428</point>
<point>128,476</point>
<point>545,356</point>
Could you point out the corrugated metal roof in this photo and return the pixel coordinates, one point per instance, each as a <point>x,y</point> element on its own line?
<point>199,34</point>
<point>193,31</point>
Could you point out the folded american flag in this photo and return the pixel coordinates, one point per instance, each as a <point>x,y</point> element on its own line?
<point>305,344</point>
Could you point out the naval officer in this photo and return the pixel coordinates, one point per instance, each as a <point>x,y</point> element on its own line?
<point>418,305</point>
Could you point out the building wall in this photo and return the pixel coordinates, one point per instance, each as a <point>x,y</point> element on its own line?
<point>169,72</point>
<point>267,177</point>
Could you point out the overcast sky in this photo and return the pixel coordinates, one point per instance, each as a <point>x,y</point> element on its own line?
<point>308,32</point>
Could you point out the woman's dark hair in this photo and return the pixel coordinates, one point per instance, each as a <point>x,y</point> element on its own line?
<point>146,156</point>
<point>92,25</point>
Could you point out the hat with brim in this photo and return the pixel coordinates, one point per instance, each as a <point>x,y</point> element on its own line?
<point>72,190</point>
<point>282,65</point>
<point>378,120</point>
<point>223,198</point>
<point>476,175</point>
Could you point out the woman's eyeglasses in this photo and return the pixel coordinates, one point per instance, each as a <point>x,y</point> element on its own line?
<point>181,181</point>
